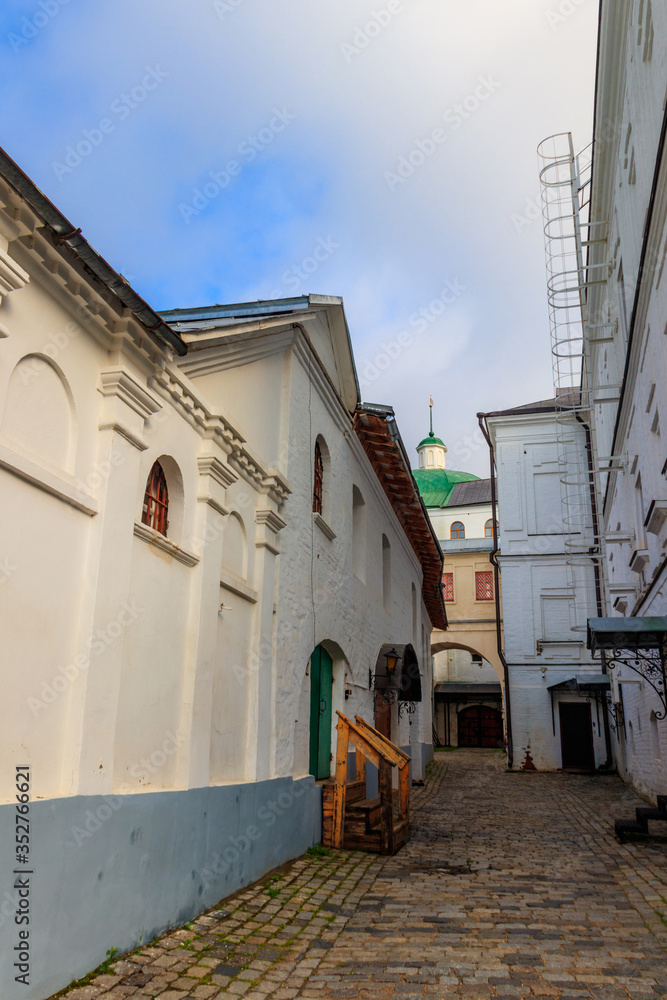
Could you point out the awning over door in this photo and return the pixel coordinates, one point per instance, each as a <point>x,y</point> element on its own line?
<point>406,680</point>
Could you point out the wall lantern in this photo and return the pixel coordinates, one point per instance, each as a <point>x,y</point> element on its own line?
<point>392,659</point>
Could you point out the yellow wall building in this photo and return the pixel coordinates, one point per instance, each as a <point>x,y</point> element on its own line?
<point>468,672</point>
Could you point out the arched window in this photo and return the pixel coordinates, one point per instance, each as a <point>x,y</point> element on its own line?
<point>319,480</point>
<point>457,530</point>
<point>156,501</point>
<point>488,528</point>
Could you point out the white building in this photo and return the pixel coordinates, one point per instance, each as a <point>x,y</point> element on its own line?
<point>606,211</point>
<point>625,354</point>
<point>557,695</point>
<point>201,559</point>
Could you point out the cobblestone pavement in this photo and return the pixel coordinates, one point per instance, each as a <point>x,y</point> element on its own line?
<point>513,885</point>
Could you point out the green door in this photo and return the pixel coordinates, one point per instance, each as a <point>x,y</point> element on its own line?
<point>321,685</point>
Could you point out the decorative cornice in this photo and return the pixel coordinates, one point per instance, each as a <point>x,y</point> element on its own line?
<point>12,276</point>
<point>122,383</point>
<point>272,520</point>
<point>277,486</point>
<point>154,537</point>
<point>221,472</point>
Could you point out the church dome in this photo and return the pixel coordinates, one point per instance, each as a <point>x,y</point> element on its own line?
<point>434,481</point>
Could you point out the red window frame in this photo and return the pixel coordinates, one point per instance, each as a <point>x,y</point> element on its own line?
<point>484,585</point>
<point>318,480</point>
<point>457,530</point>
<point>156,501</point>
<point>448,586</point>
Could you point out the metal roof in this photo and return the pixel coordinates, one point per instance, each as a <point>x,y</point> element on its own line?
<point>471,492</point>
<point>626,633</point>
<point>436,485</point>
<point>67,239</point>
<point>585,682</point>
<point>447,687</point>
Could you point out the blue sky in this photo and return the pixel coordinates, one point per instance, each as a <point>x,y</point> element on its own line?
<point>222,142</point>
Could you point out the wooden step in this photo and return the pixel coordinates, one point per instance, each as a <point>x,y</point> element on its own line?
<point>645,814</point>
<point>364,811</point>
<point>371,840</point>
<point>356,790</point>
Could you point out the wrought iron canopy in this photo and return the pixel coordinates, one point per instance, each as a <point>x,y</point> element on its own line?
<point>626,633</point>
<point>637,643</point>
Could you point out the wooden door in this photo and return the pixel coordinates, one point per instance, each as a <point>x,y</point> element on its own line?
<point>321,690</point>
<point>576,736</point>
<point>382,715</point>
<point>480,726</point>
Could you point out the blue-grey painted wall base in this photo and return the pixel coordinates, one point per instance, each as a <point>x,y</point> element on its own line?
<point>110,871</point>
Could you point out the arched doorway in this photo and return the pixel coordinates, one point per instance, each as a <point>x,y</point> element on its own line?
<point>321,692</point>
<point>480,726</point>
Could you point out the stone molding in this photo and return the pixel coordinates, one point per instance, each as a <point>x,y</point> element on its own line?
<point>154,537</point>
<point>122,383</point>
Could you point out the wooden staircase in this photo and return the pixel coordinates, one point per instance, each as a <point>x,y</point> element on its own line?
<point>352,821</point>
<point>638,829</point>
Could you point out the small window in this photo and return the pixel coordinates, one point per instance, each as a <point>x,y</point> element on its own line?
<point>484,586</point>
<point>319,480</point>
<point>448,586</point>
<point>488,528</point>
<point>156,501</point>
<point>457,530</point>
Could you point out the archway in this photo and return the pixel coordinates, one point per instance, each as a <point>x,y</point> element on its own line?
<point>468,692</point>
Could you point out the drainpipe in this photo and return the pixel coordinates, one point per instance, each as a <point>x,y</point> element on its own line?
<point>596,571</point>
<point>496,588</point>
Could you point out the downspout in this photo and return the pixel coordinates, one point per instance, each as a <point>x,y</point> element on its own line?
<point>496,574</point>
<point>596,571</point>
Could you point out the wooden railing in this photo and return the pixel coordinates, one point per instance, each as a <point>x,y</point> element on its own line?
<point>370,745</point>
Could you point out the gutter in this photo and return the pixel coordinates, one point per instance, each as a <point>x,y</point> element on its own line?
<point>596,572</point>
<point>481,419</point>
<point>62,231</point>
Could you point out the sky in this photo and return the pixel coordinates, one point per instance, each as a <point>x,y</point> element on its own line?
<point>220,151</point>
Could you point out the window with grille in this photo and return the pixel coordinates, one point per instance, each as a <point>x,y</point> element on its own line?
<point>457,530</point>
<point>156,501</point>
<point>448,586</point>
<point>484,586</point>
<point>319,479</point>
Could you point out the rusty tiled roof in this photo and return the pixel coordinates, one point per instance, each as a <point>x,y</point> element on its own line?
<point>376,429</point>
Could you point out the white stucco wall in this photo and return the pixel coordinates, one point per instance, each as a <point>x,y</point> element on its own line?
<point>542,598</point>
<point>632,303</point>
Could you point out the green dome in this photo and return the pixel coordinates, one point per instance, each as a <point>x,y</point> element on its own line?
<point>436,485</point>
<point>430,440</point>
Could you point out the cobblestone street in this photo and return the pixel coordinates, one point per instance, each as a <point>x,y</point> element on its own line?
<point>513,885</point>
